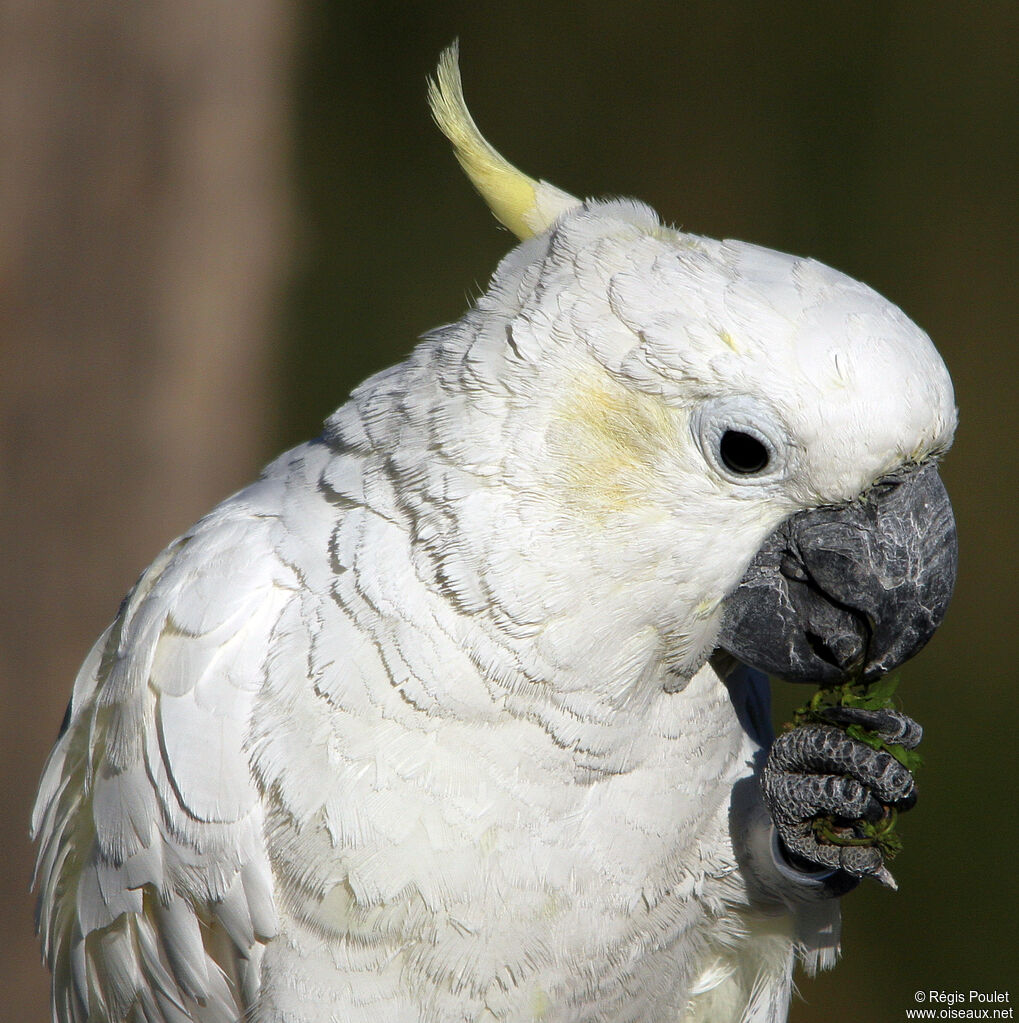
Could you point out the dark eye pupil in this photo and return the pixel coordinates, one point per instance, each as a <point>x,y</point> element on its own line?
<point>742,453</point>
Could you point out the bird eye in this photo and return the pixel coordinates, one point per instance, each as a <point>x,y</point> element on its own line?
<point>742,453</point>
<point>742,439</point>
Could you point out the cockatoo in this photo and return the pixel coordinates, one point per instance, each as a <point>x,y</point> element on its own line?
<point>458,713</point>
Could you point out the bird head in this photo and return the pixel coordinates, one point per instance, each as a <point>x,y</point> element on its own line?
<point>704,445</point>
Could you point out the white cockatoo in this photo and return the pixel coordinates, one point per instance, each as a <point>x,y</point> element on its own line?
<point>457,715</point>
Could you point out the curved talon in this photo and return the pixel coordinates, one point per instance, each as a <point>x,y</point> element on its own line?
<point>908,802</point>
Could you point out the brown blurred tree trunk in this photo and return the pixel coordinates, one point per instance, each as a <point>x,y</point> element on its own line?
<point>142,227</point>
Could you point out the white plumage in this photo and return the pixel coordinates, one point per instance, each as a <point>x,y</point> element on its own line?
<point>421,725</point>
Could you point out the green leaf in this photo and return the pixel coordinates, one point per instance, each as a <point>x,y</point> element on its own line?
<point>872,739</point>
<point>880,834</point>
<point>878,695</point>
<point>909,758</point>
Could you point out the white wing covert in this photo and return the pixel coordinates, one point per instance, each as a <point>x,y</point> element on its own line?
<point>156,889</point>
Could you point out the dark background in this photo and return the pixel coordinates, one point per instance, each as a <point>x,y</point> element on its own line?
<point>214,221</point>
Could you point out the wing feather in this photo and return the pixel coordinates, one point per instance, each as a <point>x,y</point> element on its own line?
<point>156,894</point>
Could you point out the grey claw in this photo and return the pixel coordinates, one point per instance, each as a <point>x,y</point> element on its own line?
<point>908,802</point>
<point>884,875</point>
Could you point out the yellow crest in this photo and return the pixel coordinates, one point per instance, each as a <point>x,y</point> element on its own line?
<point>519,202</point>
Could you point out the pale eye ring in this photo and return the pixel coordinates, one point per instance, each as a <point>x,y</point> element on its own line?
<point>742,439</point>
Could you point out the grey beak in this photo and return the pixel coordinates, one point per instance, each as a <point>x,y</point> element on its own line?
<point>849,591</point>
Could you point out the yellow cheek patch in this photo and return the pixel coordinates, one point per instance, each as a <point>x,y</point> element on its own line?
<point>607,445</point>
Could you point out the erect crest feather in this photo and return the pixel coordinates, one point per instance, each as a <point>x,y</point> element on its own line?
<point>519,202</point>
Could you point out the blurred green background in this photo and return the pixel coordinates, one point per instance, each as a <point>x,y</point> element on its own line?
<point>882,139</point>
